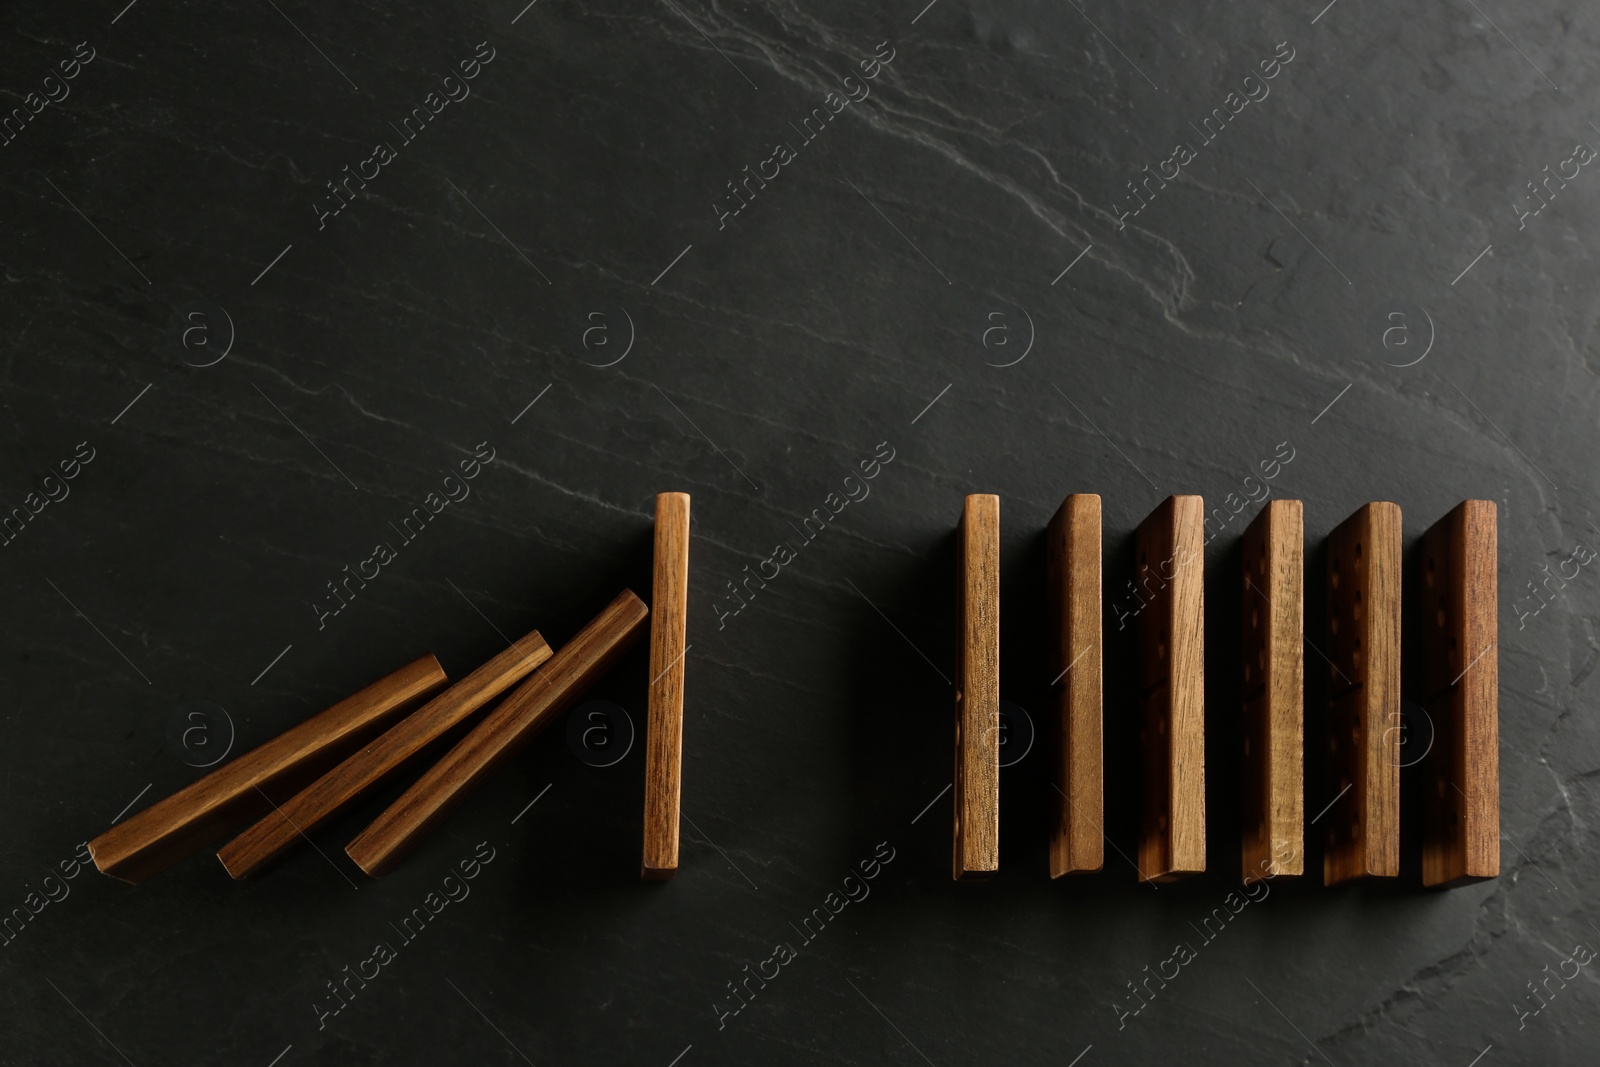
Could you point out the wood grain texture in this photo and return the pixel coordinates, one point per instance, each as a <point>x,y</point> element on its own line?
<point>1363,821</point>
<point>245,788</point>
<point>663,753</point>
<point>1273,603</point>
<point>292,821</point>
<point>1170,576</point>
<point>1073,551</point>
<point>1461,682</point>
<point>534,705</point>
<point>977,767</point>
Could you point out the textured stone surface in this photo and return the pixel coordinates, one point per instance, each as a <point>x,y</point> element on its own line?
<point>896,261</point>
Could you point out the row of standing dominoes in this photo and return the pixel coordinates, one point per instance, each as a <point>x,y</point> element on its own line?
<point>1460,823</point>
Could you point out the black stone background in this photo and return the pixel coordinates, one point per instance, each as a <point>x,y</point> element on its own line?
<point>855,291</point>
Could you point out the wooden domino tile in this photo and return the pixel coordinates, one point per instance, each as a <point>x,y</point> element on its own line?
<point>1364,724</point>
<point>1273,603</point>
<point>1170,578</point>
<point>1077,841</point>
<point>1461,681</point>
<point>977,747</point>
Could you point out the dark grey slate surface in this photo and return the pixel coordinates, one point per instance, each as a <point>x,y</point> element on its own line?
<point>965,209</point>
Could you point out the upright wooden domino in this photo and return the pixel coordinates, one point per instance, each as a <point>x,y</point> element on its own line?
<point>1273,602</point>
<point>977,749</point>
<point>663,755</point>
<point>1461,680</point>
<point>1077,842</point>
<point>1170,573</point>
<point>1364,725</point>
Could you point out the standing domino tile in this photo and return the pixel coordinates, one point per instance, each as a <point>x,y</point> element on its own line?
<point>663,754</point>
<point>1170,566</point>
<point>1461,683</point>
<point>1273,603</point>
<point>977,773</point>
<point>1077,842</point>
<point>1364,713</point>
